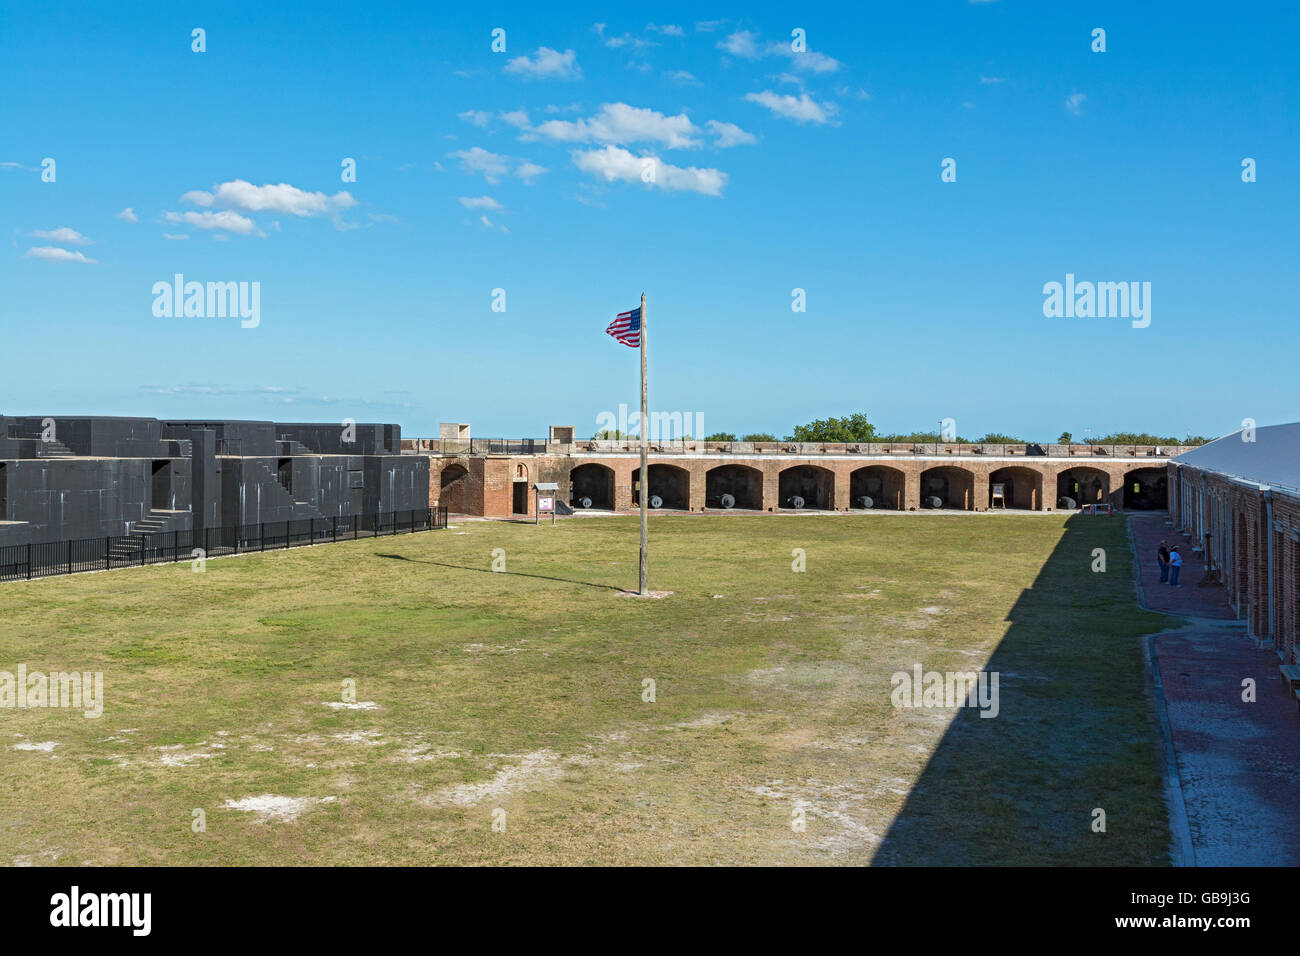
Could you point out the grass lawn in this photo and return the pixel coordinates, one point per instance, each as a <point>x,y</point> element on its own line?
<point>523,691</point>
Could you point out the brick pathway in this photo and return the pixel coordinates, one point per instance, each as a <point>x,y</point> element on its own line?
<point>1238,762</point>
<point>1148,531</point>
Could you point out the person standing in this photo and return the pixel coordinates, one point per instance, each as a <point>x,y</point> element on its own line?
<point>1175,565</point>
<point>1162,556</point>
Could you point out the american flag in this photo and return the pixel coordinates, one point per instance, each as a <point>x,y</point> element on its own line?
<point>626,327</point>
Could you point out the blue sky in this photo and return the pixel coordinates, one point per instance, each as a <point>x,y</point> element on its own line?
<point>775,170</point>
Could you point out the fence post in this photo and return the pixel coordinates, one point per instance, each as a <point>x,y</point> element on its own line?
<point>261,536</point>
<point>286,534</point>
<point>69,556</point>
<point>334,527</point>
<point>108,547</point>
<point>29,560</point>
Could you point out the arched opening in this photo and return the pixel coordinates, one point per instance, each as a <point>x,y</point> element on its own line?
<point>734,486</point>
<point>1146,489</point>
<point>948,487</point>
<point>454,489</point>
<point>879,483</point>
<point>1077,487</point>
<point>1021,488</point>
<point>806,486</point>
<point>591,486</point>
<point>670,487</point>
<point>519,495</point>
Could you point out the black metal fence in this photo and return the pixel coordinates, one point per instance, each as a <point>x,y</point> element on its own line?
<point>27,561</point>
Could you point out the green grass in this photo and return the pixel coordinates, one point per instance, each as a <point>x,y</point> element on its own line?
<point>772,687</point>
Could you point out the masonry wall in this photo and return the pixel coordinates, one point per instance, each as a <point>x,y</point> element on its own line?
<point>1239,542</point>
<point>489,490</point>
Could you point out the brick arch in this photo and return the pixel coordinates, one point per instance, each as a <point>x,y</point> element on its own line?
<point>1085,484</point>
<point>671,484</point>
<point>743,483</point>
<point>885,486</point>
<point>953,485</point>
<point>1023,487</point>
<point>594,482</point>
<point>1146,489</point>
<point>813,483</point>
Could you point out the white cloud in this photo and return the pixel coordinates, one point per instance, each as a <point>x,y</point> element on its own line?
<point>667,29</point>
<point>621,123</point>
<point>627,39</point>
<point>801,109</point>
<point>614,164</point>
<point>53,254</point>
<point>475,117</point>
<point>745,44</point>
<point>497,166</point>
<point>493,166</point>
<point>479,202</point>
<point>546,64</point>
<point>174,237</point>
<point>1074,103</point>
<point>64,235</point>
<point>517,118</point>
<point>529,171</point>
<point>128,215</point>
<point>683,77</point>
<point>282,198</point>
<point>729,134</point>
<point>991,80</point>
<point>223,220</point>
<point>708,26</point>
<point>742,43</point>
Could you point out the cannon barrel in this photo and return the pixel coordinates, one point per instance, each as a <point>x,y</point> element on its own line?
<point>656,501</point>
<point>1069,504</point>
<point>795,501</point>
<point>865,501</point>
<point>583,502</point>
<point>727,501</point>
<point>934,501</point>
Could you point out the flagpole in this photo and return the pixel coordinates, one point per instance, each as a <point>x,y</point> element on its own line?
<point>645,470</point>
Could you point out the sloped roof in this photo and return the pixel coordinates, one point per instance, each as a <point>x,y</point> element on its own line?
<point>1273,458</point>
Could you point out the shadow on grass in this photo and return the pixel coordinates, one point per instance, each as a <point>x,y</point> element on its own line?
<point>517,574</point>
<point>1074,732</point>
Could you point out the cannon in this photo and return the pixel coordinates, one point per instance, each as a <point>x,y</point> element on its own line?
<point>582,502</point>
<point>934,501</point>
<point>794,501</point>
<point>864,501</point>
<point>1067,504</point>
<point>656,501</point>
<point>726,501</point>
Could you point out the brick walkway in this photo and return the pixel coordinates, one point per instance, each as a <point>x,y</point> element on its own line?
<point>1148,531</point>
<point>1238,762</point>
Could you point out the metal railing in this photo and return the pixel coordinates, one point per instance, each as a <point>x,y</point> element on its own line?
<point>27,561</point>
<point>695,446</point>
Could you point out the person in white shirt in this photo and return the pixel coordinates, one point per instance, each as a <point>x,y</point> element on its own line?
<point>1175,565</point>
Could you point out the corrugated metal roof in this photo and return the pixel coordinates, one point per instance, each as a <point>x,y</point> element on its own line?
<point>1273,458</point>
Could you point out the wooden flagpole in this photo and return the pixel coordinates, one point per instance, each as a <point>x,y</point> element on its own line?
<point>645,469</point>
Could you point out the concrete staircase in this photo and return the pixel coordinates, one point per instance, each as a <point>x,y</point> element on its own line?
<point>54,449</point>
<point>125,548</point>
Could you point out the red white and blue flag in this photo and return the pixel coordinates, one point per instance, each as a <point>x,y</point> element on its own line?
<point>626,327</point>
